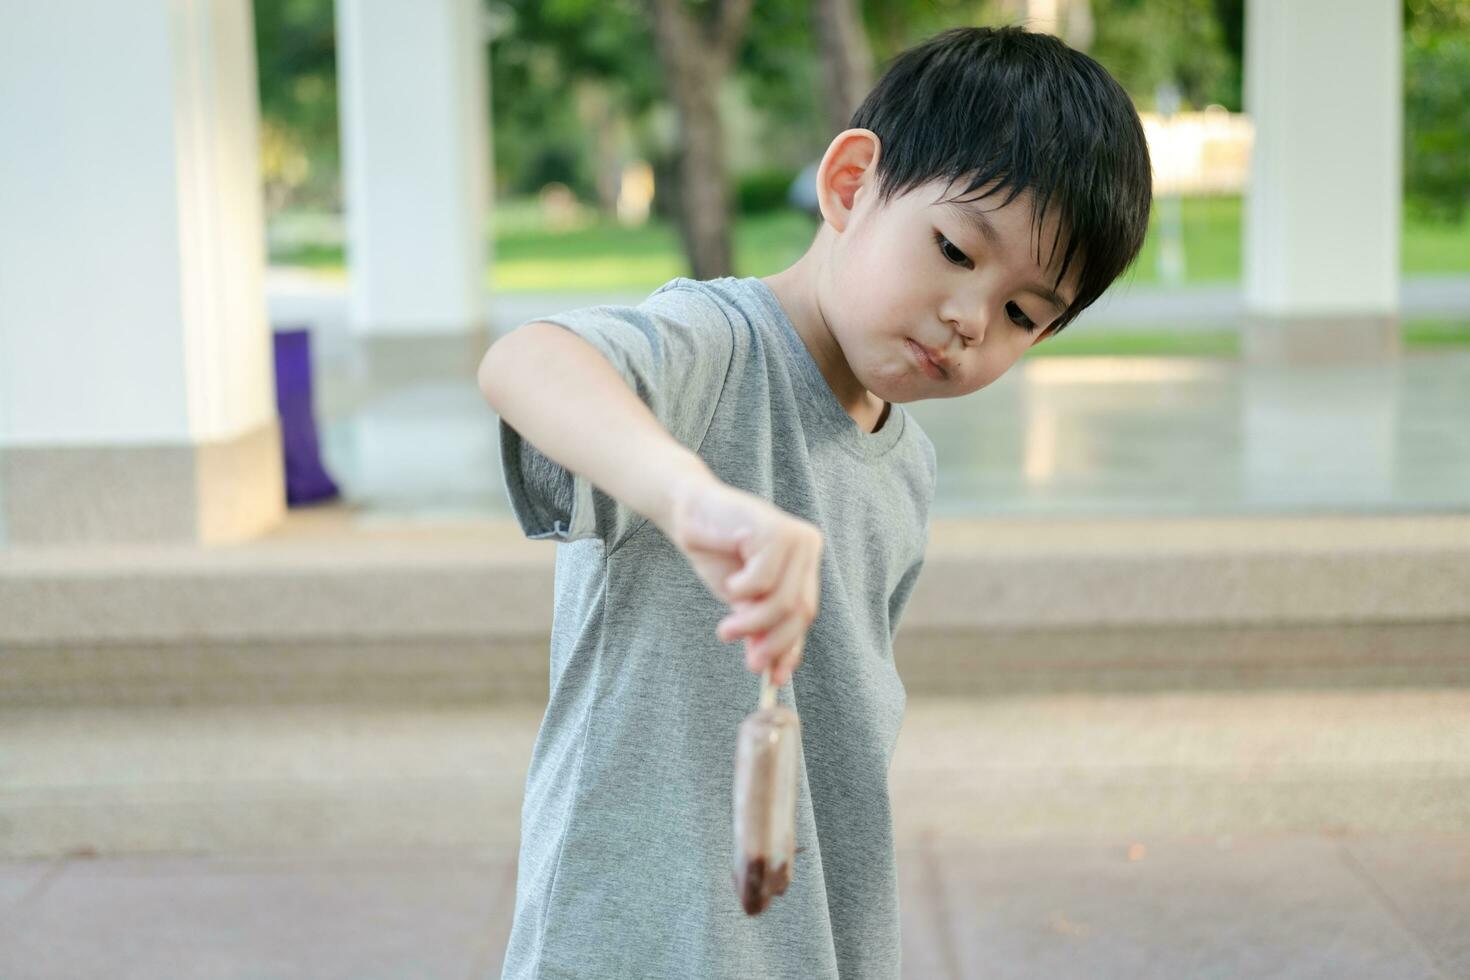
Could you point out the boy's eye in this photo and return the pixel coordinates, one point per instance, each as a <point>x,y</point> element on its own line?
<point>948,250</point>
<point>1018,316</point>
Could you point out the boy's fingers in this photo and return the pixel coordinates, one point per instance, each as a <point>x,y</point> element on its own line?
<point>773,647</point>
<point>713,569</point>
<point>785,665</point>
<point>813,582</point>
<point>760,574</point>
<point>758,617</point>
<point>735,625</point>
<point>789,661</point>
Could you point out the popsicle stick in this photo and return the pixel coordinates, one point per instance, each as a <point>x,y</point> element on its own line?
<point>768,690</point>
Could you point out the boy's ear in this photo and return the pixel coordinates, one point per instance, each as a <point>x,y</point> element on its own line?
<point>849,165</point>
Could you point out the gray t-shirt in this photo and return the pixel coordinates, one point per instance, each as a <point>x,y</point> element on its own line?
<point>627,843</point>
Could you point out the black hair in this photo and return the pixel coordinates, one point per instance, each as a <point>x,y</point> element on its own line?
<point>1020,111</point>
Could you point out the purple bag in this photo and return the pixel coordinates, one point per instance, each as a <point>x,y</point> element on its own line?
<point>306,479</point>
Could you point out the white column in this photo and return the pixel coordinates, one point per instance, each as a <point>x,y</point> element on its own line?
<point>1324,90</point>
<point>137,397</point>
<point>416,165</point>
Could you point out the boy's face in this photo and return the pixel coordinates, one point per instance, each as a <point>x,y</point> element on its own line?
<point>919,271</point>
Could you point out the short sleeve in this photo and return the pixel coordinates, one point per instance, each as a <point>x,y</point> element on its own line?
<point>899,600</point>
<point>674,351</point>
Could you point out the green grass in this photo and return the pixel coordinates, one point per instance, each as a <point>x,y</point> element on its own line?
<point>1157,343</point>
<point>604,256</point>
<point>1418,336</point>
<point>1211,230</point>
<point>322,258</point>
<point>607,256</point>
<point>1431,248</point>
<point>1432,334</point>
<point>600,257</point>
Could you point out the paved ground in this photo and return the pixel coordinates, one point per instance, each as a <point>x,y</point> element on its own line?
<point>302,294</point>
<point>1249,834</point>
<point>408,436</point>
<point>1076,437</point>
<point>1375,906</point>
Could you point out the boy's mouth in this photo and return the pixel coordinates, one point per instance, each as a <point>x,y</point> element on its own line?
<point>926,360</point>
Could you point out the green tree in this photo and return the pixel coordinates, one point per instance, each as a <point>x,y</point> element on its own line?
<point>696,48</point>
<point>1437,107</point>
<point>1145,44</point>
<point>846,57</point>
<point>1197,44</point>
<point>296,62</point>
<point>546,54</point>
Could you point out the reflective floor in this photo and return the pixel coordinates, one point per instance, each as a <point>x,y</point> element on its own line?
<point>1064,436</point>
<point>409,438</point>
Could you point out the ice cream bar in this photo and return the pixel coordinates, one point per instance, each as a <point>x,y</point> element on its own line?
<point>766,754</point>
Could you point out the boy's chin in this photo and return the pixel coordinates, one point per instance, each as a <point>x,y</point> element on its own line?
<point>903,391</point>
<point>908,398</point>
<point>895,391</point>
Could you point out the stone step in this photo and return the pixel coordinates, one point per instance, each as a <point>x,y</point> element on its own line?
<point>229,779</point>
<point>329,609</point>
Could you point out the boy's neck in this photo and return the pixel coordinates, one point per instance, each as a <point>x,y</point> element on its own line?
<point>795,289</point>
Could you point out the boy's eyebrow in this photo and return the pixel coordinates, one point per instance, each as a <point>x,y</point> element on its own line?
<point>976,219</point>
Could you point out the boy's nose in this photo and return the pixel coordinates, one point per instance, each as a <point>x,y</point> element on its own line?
<point>970,327</point>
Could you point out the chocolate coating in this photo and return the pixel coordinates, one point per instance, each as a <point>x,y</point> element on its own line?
<point>758,885</point>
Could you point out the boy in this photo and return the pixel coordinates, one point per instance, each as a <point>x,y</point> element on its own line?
<point>721,456</point>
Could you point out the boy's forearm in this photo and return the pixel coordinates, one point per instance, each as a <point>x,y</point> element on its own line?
<point>561,395</point>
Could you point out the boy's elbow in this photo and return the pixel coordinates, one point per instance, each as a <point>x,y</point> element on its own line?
<point>493,365</point>
<point>486,374</point>
<point>510,352</point>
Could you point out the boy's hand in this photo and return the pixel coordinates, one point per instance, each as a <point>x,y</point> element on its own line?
<point>764,562</point>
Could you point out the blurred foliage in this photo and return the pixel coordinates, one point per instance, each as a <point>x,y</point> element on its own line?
<point>542,52</point>
<point>763,190</point>
<point>894,25</point>
<point>1437,108</point>
<point>296,59</point>
<point>779,72</point>
<point>546,54</point>
<point>601,254</point>
<point>1231,16</point>
<point>1148,43</point>
<point>1197,44</point>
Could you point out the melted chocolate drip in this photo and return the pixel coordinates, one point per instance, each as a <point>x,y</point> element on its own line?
<point>758,885</point>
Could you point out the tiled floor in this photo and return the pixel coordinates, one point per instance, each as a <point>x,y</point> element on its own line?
<point>1055,436</point>
<point>1225,907</point>
<point>1058,436</point>
<point>1099,837</point>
